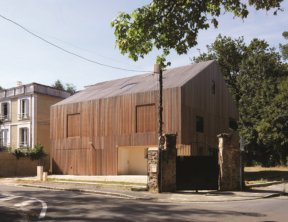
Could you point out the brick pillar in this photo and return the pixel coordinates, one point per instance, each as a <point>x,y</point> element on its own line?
<point>229,161</point>
<point>168,156</point>
<point>153,170</point>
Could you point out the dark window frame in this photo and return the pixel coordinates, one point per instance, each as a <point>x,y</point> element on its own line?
<point>199,124</point>
<point>213,87</point>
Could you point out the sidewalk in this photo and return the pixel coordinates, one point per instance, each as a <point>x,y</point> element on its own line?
<point>125,192</point>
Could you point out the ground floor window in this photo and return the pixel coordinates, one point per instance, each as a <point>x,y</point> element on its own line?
<point>4,138</point>
<point>23,137</point>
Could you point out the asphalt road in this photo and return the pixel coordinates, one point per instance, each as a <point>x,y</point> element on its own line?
<point>23,203</point>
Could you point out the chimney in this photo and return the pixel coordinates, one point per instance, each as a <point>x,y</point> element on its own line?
<point>19,83</point>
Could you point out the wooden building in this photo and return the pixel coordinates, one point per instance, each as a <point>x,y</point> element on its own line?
<point>106,128</point>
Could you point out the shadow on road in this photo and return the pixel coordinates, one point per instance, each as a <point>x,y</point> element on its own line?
<point>73,206</point>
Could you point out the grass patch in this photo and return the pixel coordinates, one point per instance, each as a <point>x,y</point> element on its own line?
<point>259,168</point>
<point>265,174</point>
<point>27,181</point>
<point>99,182</point>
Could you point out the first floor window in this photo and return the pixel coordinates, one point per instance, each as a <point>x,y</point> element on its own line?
<point>199,124</point>
<point>213,87</point>
<point>24,108</point>
<point>4,111</point>
<point>23,137</point>
<point>146,117</point>
<point>73,125</point>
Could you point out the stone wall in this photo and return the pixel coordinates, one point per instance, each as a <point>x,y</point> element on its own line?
<point>11,167</point>
<point>229,161</point>
<point>168,158</point>
<point>153,170</point>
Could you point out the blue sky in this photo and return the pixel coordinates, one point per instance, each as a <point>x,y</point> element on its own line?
<point>86,24</point>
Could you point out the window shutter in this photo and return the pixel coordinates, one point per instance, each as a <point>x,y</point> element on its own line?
<point>5,137</point>
<point>1,136</point>
<point>27,105</point>
<point>25,136</point>
<point>2,109</point>
<point>8,111</point>
<point>20,109</point>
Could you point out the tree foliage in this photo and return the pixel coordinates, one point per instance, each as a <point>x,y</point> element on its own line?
<point>254,75</point>
<point>58,85</point>
<point>69,86</point>
<point>1,88</point>
<point>174,24</point>
<point>284,48</point>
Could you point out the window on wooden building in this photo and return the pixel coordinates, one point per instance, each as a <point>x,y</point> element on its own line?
<point>213,87</point>
<point>128,86</point>
<point>73,125</point>
<point>233,125</point>
<point>199,124</point>
<point>146,118</point>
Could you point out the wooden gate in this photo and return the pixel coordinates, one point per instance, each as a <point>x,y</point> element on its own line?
<point>198,172</point>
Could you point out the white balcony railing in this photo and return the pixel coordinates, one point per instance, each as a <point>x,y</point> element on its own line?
<point>24,116</point>
<point>23,144</point>
<point>5,118</point>
<point>4,145</point>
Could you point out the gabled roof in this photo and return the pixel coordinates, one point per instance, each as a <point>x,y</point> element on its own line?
<point>172,78</point>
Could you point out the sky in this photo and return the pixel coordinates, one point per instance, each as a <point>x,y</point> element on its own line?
<point>83,27</point>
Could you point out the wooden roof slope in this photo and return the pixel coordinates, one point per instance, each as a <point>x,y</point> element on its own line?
<point>174,77</point>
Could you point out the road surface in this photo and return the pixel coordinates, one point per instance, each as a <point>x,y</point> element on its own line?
<point>30,204</point>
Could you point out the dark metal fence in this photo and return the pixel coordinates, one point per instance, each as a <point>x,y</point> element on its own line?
<point>197,148</point>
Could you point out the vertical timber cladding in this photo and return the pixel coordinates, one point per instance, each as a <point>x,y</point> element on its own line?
<point>73,125</point>
<point>197,99</point>
<point>146,118</point>
<point>70,130</point>
<point>106,123</point>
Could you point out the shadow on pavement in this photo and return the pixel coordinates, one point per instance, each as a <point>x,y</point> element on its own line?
<point>71,206</point>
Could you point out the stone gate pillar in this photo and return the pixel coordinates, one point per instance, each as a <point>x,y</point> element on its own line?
<point>162,166</point>
<point>168,157</point>
<point>229,162</point>
<point>153,170</point>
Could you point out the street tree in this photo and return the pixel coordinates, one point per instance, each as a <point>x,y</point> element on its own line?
<point>284,48</point>
<point>1,88</point>
<point>71,87</point>
<point>253,74</point>
<point>174,24</point>
<point>58,85</point>
<point>273,128</point>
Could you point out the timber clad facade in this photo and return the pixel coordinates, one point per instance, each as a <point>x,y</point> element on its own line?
<point>106,128</point>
